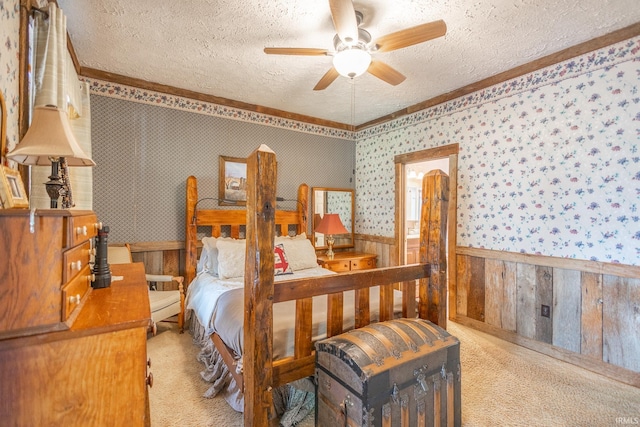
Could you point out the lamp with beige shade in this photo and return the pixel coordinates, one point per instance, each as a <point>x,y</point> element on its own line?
<point>50,140</point>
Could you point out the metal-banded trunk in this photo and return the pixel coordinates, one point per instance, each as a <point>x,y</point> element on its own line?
<point>402,372</point>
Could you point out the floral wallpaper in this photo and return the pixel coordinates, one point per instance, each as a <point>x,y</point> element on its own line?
<point>549,162</point>
<point>9,75</point>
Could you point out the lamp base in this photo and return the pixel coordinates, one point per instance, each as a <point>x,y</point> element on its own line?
<point>55,184</point>
<point>330,242</point>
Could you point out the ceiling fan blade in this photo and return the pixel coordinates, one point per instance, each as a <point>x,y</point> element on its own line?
<point>386,73</point>
<point>410,36</point>
<point>327,79</point>
<point>345,21</point>
<point>295,51</point>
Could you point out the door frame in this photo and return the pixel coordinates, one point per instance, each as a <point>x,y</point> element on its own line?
<point>401,162</point>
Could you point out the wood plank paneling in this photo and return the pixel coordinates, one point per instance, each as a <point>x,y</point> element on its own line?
<point>510,298</point>
<point>567,304</point>
<point>493,292</point>
<point>462,287</point>
<point>500,294</point>
<point>591,315</point>
<point>544,295</point>
<point>593,321</point>
<point>476,289</point>
<point>621,322</point>
<point>526,300</point>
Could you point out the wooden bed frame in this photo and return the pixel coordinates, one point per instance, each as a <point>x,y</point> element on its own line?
<point>260,372</point>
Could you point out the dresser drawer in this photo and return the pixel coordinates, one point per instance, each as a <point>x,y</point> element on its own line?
<point>74,291</point>
<point>348,261</point>
<point>338,266</point>
<point>75,260</point>
<point>363,264</point>
<point>81,228</point>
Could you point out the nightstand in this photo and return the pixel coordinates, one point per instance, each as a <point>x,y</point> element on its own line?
<point>348,261</point>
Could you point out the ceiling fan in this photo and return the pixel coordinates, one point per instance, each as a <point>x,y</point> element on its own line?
<point>353,47</point>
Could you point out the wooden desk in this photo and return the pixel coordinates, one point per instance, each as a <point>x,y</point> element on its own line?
<point>94,373</point>
<point>348,261</point>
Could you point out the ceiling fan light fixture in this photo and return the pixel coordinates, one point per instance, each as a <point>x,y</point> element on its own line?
<point>351,62</point>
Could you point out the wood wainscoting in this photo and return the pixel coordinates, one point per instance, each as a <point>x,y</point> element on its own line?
<point>166,257</point>
<point>384,247</point>
<point>590,315</point>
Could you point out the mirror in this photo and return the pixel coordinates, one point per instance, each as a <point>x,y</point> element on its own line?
<point>333,200</point>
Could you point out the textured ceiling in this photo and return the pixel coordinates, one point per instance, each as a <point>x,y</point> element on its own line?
<point>215,47</point>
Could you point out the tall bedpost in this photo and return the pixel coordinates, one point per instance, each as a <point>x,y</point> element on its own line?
<point>303,207</point>
<point>191,251</point>
<point>258,286</point>
<point>433,234</point>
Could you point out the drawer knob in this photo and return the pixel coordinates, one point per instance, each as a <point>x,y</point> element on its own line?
<point>74,299</point>
<point>77,265</point>
<point>150,379</point>
<point>149,362</point>
<point>98,225</point>
<point>81,231</point>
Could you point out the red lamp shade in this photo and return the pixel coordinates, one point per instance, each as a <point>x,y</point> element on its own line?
<point>331,224</point>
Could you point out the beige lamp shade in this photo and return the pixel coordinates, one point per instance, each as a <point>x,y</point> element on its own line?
<point>49,136</point>
<point>331,224</point>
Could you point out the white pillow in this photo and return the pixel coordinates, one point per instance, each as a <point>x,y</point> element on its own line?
<point>208,260</point>
<point>230,258</point>
<point>300,252</point>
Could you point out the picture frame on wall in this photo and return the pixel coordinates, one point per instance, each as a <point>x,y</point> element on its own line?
<point>233,181</point>
<point>12,189</point>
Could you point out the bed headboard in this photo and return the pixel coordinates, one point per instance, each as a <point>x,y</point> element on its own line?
<point>216,219</point>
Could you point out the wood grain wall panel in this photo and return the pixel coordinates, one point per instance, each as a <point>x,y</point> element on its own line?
<point>594,307</point>
<point>591,285</point>
<point>476,291</point>
<point>621,322</point>
<point>509,307</point>
<point>544,296</point>
<point>494,286</point>
<point>171,266</point>
<point>567,304</point>
<point>526,300</point>
<point>462,286</point>
<point>500,294</point>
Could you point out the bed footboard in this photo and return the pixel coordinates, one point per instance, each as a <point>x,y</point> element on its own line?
<point>261,373</point>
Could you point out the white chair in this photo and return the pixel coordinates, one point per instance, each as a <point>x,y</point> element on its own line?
<point>164,304</point>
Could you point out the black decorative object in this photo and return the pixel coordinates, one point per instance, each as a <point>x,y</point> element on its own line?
<point>101,270</point>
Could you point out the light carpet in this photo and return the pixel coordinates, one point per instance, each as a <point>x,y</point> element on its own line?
<point>502,385</point>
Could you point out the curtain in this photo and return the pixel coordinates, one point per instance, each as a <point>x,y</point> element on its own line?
<point>56,83</point>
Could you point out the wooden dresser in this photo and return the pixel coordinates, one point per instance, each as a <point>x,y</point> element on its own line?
<point>348,261</point>
<point>69,354</point>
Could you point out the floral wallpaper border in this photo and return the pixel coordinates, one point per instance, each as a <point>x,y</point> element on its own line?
<point>600,59</point>
<point>113,90</point>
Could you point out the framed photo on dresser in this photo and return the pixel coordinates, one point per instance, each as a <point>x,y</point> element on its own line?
<point>12,190</point>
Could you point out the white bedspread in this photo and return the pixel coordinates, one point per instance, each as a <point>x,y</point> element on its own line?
<point>225,315</point>
<point>219,306</point>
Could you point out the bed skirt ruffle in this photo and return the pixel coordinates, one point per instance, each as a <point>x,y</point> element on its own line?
<point>292,402</point>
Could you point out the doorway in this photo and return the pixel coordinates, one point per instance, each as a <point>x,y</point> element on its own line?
<point>410,168</point>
